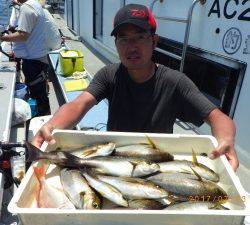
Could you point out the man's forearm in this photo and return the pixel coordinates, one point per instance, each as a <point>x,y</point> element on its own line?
<point>15,37</point>
<point>71,113</point>
<point>222,126</point>
<point>66,117</point>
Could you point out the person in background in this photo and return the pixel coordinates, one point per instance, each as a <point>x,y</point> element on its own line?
<point>29,45</point>
<point>143,96</point>
<point>13,23</point>
<point>53,36</point>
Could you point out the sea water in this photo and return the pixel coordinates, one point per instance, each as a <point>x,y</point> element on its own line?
<point>5,12</point>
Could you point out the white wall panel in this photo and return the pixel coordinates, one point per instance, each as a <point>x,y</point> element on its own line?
<point>110,7</point>
<point>143,2</point>
<point>86,20</point>
<point>76,15</point>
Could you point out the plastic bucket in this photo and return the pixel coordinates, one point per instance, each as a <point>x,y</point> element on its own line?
<point>20,90</point>
<point>33,106</point>
<point>71,61</point>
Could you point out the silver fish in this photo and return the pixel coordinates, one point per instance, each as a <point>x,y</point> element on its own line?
<point>143,151</point>
<point>105,189</point>
<point>197,206</point>
<point>135,188</point>
<point>184,166</point>
<point>181,185</point>
<point>95,150</point>
<point>172,199</point>
<point>78,191</point>
<point>117,166</point>
<point>121,166</point>
<point>140,204</point>
<point>147,151</point>
<point>143,204</point>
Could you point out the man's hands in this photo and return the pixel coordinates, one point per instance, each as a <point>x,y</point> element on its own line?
<point>226,147</point>
<point>19,36</point>
<point>224,130</point>
<point>44,134</point>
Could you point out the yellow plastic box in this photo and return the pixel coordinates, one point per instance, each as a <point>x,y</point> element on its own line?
<point>71,61</point>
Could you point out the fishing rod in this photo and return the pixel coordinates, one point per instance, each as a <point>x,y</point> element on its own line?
<point>9,145</point>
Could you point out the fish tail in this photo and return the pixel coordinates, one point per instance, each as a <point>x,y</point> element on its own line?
<point>34,153</point>
<point>73,161</point>
<point>39,172</point>
<point>72,157</point>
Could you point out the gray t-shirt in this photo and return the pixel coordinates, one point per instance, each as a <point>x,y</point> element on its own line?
<point>152,106</point>
<point>27,21</point>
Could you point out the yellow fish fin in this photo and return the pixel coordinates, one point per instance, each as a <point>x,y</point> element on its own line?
<point>151,142</point>
<point>195,161</point>
<point>196,174</point>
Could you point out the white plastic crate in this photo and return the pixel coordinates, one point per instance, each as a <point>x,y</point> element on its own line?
<point>35,124</point>
<point>179,145</point>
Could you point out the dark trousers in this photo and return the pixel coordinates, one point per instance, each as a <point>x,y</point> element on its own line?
<point>34,73</point>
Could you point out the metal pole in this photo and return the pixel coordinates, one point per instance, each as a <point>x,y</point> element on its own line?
<point>151,7</point>
<point>187,31</point>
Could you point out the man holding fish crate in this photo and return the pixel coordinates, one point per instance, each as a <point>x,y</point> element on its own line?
<point>144,96</point>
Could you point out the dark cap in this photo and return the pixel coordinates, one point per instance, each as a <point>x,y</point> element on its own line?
<point>138,15</point>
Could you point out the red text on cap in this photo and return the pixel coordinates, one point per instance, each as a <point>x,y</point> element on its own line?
<point>138,13</point>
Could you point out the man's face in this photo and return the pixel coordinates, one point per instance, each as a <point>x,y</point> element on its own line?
<point>135,46</point>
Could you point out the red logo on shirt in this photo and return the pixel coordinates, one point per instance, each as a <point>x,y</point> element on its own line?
<point>138,13</point>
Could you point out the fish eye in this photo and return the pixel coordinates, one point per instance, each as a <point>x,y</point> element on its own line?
<point>95,205</point>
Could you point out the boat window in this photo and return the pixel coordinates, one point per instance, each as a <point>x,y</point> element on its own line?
<point>218,78</point>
